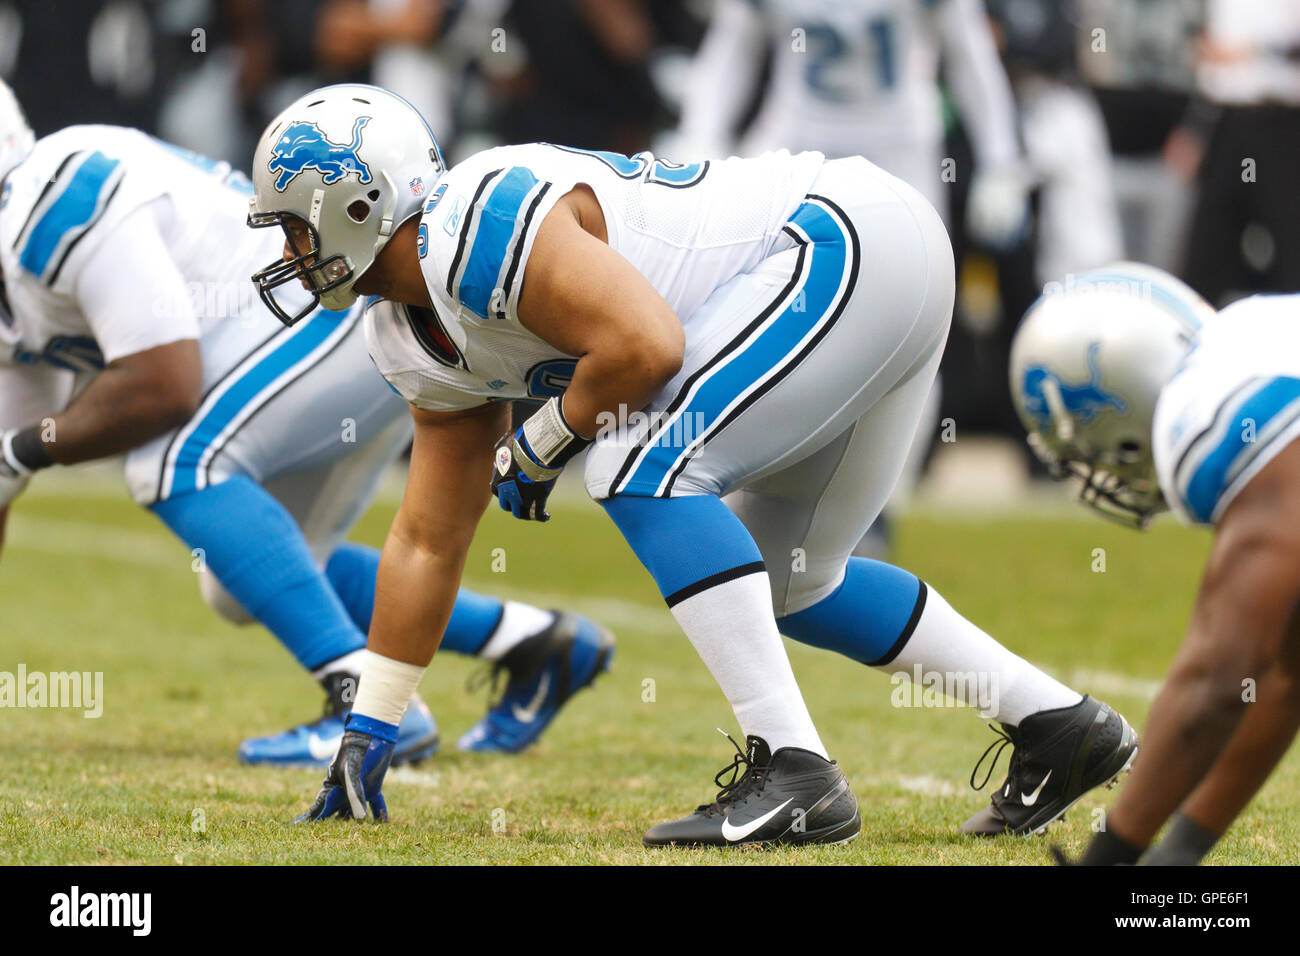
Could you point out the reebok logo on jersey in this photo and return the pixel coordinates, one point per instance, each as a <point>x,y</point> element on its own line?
<point>452,222</point>
<point>303,146</point>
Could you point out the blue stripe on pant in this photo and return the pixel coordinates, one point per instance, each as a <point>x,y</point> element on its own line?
<point>305,339</point>
<point>814,299</point>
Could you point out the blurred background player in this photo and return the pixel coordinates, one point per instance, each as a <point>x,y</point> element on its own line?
<point>128,325</point>
<point>1240,140</point>
<point>1129,381</point>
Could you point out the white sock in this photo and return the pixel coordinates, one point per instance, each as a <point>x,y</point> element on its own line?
<point>385,688</point>
<point>518,621</point>
<point>732,629</point>
<point>946,643</point>
<point>349,663</point>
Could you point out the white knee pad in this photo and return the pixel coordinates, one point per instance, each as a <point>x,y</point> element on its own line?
<point>221,601</point>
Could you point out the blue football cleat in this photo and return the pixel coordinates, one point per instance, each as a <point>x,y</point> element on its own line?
<point>314,744</point>
<point>544,671</point>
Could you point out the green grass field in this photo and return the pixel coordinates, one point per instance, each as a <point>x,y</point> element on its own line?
<point>95,584</point>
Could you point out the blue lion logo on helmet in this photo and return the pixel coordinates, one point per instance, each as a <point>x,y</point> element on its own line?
<point>303,146</point>
<point>1084,402</point>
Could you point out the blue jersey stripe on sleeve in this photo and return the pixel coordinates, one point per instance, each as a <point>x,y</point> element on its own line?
<point>73,211</point>
<point>491,243</point>
<point>1242,441</point>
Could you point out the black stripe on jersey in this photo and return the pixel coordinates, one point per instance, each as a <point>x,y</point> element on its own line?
<point>519,249</point>
<point>31,215</point>
<point>713,580</point>
<point>89,225</point>
<point>162,468</point>
<point>217,449</point>
<point>774,379</point>
<point>1213,426</point>
<point>464,231</point>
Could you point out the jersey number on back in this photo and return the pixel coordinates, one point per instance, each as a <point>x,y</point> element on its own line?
<point>645,167</point>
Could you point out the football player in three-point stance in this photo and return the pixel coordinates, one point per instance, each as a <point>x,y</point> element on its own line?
<point>128,321</point>
<point>778,320</point>
<point>1126,379</point>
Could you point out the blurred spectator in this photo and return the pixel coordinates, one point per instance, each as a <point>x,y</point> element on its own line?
<point>1139,58</point>
<point>1065,138</point>
<point>1242,140</point>
<point>587,82</point>
<point>83,61</point>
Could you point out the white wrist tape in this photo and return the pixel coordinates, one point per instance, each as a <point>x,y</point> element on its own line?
<point>385,687</point>
<point>547,432</point>
<point>7,452</point>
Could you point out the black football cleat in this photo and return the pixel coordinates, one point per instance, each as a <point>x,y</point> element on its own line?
<point>1057,757</point>
<point>789,797</point>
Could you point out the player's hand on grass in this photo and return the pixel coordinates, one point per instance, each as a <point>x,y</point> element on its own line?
<point>354,780</point>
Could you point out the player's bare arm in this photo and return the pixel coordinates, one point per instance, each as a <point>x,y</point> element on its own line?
<point>133,400</point>
<point>424,554</point>
<point>1244,625</point>
<point>585,299</point>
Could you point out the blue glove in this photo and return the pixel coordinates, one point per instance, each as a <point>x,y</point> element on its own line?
<point>356,775</point>
<point>527,461</point>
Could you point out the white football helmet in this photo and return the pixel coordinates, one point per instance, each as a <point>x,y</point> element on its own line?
<point>350,163</point>
<point>1087,365</point>
<point>16,137</point>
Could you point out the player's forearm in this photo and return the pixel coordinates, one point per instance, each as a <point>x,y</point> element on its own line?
<point>114,415</point>
<point>605,385</point>
<point>1262,739</point>
<point>1197,711</point>
<point>132,401</point>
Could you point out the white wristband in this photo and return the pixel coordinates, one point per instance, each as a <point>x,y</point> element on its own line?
<point>7,452</point>
<point>385,687</point>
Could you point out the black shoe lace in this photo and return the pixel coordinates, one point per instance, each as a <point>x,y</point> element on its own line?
<point>1001,743</point>
<point>488,676</point>
<point>738,785</point>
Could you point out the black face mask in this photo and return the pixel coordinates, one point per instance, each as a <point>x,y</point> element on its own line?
<point>319,276</point>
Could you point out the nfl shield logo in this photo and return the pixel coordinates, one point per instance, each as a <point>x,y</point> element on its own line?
<point>417,186</point>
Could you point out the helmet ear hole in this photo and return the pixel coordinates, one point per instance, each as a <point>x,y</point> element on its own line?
<point>358,210</point>
<point>373,195</point>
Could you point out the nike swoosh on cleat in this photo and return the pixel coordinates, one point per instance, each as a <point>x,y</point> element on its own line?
<point>526,715</point>
<point>732,833</point>
<point>1029,799</point>
<point>323,749</point>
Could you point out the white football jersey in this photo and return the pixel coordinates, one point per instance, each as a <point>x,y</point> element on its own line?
<point>687,228</point>
<point>849,75</point>
<point>60,205</point>
<point>1232,406</point>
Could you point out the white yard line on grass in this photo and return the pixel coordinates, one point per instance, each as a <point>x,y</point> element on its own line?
<point>55,536</point>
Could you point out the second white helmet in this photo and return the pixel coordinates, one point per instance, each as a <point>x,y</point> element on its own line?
<point>340,169</point>
<point>1087,366</point>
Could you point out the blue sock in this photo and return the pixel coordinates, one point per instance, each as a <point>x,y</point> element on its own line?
<point>352,570</point>
<point>687,544</point>
<point>869,617</point>
<point>257,551</point>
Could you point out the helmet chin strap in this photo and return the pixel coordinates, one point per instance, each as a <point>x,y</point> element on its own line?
<point>1061,419</point>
